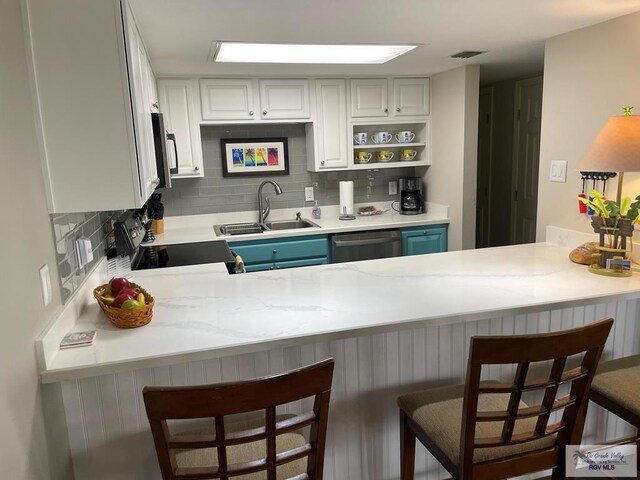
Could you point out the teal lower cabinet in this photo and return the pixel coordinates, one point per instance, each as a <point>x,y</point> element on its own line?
<point>259,255</point>
<point>426,239</point>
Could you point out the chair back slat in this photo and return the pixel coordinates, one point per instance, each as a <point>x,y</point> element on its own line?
<point>524,350</point>
<point>220,446</point>
<point>218,401</point>
<point>555,376</point>
<point>514,401</point>
<point>271,442</point>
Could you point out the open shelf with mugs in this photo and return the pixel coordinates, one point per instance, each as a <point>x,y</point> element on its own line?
<point>390,145</point>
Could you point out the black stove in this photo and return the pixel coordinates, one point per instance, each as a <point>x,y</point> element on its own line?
<point>181,254</point>
<point>130,237</point>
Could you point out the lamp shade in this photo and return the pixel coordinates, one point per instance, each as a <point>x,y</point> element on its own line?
<point>616,148</point>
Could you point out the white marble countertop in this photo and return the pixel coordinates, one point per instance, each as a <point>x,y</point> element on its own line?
<point>201,312</point>
<point>199,228</point>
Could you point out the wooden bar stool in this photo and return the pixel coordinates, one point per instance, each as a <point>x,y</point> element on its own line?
<point>616,387</point>
<point>271,449</point>
<point>483,430</point>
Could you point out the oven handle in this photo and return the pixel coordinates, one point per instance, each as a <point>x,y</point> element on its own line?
<point>369,241</point>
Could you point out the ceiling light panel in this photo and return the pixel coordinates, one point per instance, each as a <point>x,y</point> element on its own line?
<point>295,53</point>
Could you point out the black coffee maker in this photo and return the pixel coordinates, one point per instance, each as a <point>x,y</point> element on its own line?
<point>411,196</point>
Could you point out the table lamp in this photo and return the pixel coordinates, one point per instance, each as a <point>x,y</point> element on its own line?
<point>615,149</point>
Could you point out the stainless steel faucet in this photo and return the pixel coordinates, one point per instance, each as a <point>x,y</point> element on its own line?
<point>262,213</point>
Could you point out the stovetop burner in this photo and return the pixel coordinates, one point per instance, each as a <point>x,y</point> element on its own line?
<point>181,254</point>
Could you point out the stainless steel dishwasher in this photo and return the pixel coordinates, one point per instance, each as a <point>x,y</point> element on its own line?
<point>351,247</point>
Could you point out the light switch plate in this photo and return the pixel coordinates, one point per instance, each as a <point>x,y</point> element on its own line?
<point>45,284</point>
<point>558,171</point>
<point>308,194</point>
<point>393,188</point>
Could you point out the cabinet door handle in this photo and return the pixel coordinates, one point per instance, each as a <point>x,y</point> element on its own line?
<point>264,112</point>
<point>196,168</point>
<point>275,252</point>
<point>386,110</point>
<point>322,162</point>
<point>251,113</point>
<point>397,109</point>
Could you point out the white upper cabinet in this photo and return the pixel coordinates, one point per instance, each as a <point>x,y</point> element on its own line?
<point>178,103</point>
<point>242,99</point>
<point>227,99</point>
<point>284,99</point>
<point>369,97</point>
<point>411,97</point>
<point>91,104</point>
<point>141,82</point>
<point>329,148</point>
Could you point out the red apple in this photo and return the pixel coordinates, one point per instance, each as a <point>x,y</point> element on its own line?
<point>129,291</point>
<point>121,298</point>
<point>118,284</point>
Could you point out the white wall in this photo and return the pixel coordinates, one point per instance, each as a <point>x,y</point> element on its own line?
<point>589,75</point>
<point>451,180</point>
<point>26,245</point>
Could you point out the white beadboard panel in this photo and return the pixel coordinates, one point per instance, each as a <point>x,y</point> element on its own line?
<point>108,429</point>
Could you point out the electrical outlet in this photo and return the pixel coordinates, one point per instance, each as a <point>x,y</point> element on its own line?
<point>308,194</point>
<point>393,188</point>
<point>45,284</point>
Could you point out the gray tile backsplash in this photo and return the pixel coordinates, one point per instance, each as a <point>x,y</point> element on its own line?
<point>215,194</point>
<point>67,228</point>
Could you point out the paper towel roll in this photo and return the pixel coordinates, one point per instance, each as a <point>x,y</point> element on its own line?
<point>346,197</point>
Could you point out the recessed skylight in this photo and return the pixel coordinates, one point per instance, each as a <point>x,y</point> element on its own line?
<point>293,53</point>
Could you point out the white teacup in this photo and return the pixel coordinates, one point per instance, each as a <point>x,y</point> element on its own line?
<point>405,136</point>
<point>360,138</point>
<point>381,137</point>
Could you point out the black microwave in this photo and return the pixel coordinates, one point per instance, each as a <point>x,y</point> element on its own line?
<point>166,151</point>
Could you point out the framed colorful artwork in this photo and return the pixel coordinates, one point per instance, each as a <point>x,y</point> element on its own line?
<point>244,157</point>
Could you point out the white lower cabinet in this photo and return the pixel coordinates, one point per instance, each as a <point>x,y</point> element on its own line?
<point>179,104</point>
<point>91,80</point>
<point>328,143</point>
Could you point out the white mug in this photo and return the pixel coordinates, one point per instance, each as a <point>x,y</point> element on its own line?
<point>405,136</point>
<point>360,138</point>
<point>381,137</point>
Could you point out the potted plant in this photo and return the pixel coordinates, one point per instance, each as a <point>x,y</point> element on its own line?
<point>613,222</point>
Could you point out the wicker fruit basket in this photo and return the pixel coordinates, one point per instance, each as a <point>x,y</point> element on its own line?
<point>126,317</point>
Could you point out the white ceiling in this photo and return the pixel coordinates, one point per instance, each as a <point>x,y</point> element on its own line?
<point>179,33</point>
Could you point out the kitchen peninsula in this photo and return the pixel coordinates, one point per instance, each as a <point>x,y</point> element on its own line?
<point>393,325</point>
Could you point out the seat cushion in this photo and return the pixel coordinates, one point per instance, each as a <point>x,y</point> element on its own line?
<point>619,381</point>
<point>438,412</point>
<point>207,457</point>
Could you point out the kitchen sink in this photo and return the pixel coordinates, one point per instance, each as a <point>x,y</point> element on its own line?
<point>238,228</point>
<point>289,224</point>
<point>247,228</point>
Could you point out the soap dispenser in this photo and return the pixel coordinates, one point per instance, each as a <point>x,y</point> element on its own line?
<point>316,212</point>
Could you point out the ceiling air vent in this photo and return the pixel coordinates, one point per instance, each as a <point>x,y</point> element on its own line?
<point>466,54</point>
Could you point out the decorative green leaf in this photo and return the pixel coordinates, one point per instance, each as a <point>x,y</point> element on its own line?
<point>612,208</point>
<point>601,209</point>
<point>625,205</point>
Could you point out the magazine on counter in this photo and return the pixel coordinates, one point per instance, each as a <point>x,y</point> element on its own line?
<point>78,339</point>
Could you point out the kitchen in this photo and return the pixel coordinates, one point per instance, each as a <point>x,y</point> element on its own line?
<point>28,252</point>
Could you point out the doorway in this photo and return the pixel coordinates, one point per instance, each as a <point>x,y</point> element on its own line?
<point>508,158</point>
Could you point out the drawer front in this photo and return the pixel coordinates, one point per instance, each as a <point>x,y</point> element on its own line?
<point>258,267</point>
<point>279,249</point>
<point>427,239</point>
<point>307,262</point>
